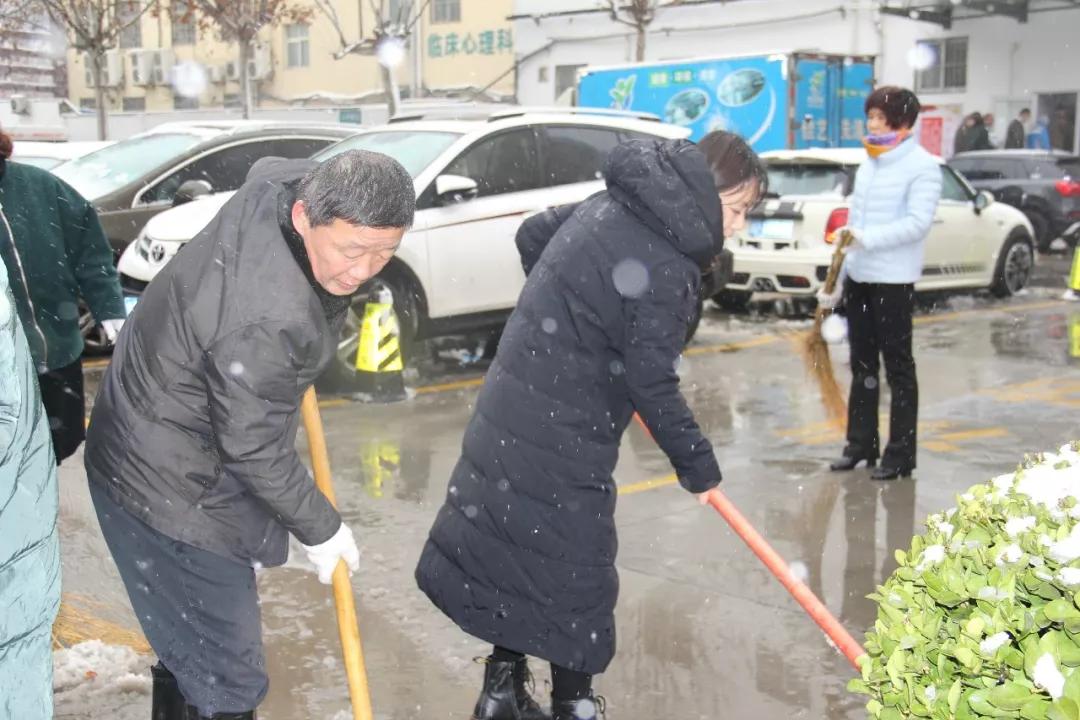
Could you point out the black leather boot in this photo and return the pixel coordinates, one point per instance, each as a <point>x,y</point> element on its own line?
<point>848,462</point>
<point>590,708</point>
<point>167,703</point>
<point>505,695</point>
<point>193,714</point>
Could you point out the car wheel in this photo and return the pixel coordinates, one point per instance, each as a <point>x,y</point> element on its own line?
<point>1015,265</point>
<point>695,320</point>
<point>95,341</point>
<point>406,307</point>
<point>1041,226</point>
<point>734,300</point>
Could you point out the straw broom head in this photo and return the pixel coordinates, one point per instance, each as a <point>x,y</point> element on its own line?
<point>816,351</point>
<point>79,620</point>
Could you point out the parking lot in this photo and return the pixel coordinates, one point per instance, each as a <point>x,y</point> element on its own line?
<point>699,618</point>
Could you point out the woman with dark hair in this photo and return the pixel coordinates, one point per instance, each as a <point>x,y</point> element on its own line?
<point>56,253</point>
<point>892,209</point>
<point>522,555</point>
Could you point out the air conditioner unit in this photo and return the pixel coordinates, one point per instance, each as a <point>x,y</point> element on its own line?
<point>261,66</point>
<point>20,105</point>
<point>162,67</point>
<point>218,73</point>
<point>232,70</point>
<point>112,71</point>
<point>142,67</point>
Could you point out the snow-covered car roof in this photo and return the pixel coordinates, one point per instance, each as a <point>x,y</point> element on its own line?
<point>477,124</point>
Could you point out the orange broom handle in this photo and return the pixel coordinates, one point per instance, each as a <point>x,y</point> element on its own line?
<point>776,565</point>
<point>802,594</point>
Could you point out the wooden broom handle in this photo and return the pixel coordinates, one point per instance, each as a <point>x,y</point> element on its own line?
<point>846,239</point>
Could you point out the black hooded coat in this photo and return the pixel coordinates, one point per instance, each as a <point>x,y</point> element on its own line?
<point>522,554</point>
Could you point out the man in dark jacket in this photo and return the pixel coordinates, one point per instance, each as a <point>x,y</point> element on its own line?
<point>522,554</point>
<point>190,454</point>
<point>56,252</point>
<point>1016,135</point>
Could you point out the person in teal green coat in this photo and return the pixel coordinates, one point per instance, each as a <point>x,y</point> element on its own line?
<point>29,546</point>
<point>56,253</point>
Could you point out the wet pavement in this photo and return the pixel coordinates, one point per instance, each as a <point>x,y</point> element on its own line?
<point>704,630</point>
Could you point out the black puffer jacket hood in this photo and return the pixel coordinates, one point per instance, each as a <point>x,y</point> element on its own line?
<point>669,186</point>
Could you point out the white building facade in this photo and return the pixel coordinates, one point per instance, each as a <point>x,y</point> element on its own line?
<point>961,56</point>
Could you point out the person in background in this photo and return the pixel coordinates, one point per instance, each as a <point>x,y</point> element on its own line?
<point>56,253</point>
<point>1039,137</point>
<point>29,544</point>
<point>979,134</point>
<point>896,194</point>
<point>522,554</point>
<point>1016,135</point>
<point>1062,130</point>
<point>964,135</point>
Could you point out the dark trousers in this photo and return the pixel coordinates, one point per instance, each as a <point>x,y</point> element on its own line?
<point>199,611</point>
<point>65,405</point>
<point>880,326</point>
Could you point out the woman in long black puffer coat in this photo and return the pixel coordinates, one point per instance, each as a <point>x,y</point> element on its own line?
<point>522,554</point>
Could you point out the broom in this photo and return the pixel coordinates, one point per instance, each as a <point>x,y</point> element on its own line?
<point>816,350</point>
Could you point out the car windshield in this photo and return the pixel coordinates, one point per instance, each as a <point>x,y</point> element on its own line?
<point>109,169</point>
<point>415,150</point>
<point>806,179</point>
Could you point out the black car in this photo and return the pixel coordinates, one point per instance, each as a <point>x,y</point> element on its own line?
<point>1045,185</point>
<point>131,181</point>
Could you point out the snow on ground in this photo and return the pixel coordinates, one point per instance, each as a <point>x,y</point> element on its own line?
<point>95,680</point>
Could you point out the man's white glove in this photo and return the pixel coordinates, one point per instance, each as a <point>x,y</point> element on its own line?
<point>325,556</point>
<point>112,329</point>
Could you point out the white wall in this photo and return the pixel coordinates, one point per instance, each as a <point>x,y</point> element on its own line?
<point>1009,63</point>
<point>704,30</point>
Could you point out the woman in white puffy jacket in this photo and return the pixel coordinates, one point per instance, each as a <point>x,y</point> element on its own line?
<point>892,210</point>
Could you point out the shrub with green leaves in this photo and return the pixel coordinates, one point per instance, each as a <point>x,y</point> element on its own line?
<point>982,617</point>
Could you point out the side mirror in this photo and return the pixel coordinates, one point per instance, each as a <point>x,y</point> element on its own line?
<point>983,200</point>
<point>190,190</point>
<point>454,189</point>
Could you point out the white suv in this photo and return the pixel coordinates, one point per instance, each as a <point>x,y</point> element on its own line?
<point>786,248</point>
<point>476,178</point>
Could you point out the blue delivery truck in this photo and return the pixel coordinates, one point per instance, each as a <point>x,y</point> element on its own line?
<point>777,101</point>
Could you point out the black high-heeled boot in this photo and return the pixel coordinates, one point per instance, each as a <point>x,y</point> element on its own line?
<point>847,463</point>
<point>590,708</point>
<point>505,695</point>
<point>167,702</point>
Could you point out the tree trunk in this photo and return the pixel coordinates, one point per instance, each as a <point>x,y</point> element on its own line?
<point>393,95</point>
<point>245,79</point>
<point>642,34</point>
<point>96,61</point>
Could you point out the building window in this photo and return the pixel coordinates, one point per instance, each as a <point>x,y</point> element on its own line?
<point>565,78</point>
<point>297,46</point>
<point>128,15</point>
<point>88,103</point>
<point>445,11</point>
<point>181,102</point>
<point>134,104</point>
<point>943,65</point>
<point>183,22</point>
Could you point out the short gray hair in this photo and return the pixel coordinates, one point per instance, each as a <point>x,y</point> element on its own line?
<point>363,188</point>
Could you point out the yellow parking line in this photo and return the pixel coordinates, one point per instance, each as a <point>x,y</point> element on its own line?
<point>449,387</point>
<point>644,485</point>
<point>733,346</point>
<point>943,317</point>
<point>982,434</point>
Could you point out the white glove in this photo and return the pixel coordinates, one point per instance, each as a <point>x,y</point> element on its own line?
<point>325,556</point>
<point>830,300</point>
<point>112,329</point>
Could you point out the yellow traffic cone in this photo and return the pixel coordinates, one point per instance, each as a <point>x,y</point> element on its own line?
<point>379,362</point>
<point>1074,336</point>
<point>1073,293</point>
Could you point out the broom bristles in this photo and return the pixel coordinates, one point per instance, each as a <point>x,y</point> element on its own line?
<point>79,621</point>
<point>819,364</point>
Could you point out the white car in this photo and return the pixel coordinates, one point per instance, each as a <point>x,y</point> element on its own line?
<point>975,243</point>
<point>476,179</point>
<point>47,155</point>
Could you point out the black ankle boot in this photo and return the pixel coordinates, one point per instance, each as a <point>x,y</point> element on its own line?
<point>193,714</point>
<point>590,708</point>
<point>848,463</point>
<point>505,695</point>
<point>167,703</point>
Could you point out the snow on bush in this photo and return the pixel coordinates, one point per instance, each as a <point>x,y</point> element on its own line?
<point>982,617</point>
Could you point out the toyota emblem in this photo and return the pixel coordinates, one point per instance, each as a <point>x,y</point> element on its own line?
<point>157,252</point>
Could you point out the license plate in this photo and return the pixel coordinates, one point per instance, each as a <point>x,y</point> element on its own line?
<point>779,229</point>
<point>129,303</point>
